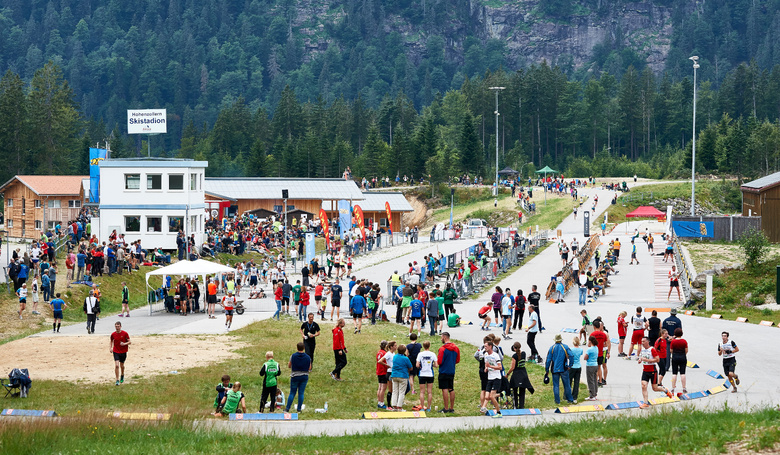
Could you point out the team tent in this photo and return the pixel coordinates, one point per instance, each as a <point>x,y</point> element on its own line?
<point>546,170</point>
<point>200,267</point>
<point>647,211</point>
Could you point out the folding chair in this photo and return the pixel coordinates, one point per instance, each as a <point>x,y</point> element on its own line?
<point>11,388</point>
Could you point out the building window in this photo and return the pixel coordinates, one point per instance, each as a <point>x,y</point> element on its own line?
<point>10,223</point>
<point>383,222</point>
<point>132,181</point>
<point>132,224</point>
<point>176,182</point>
<point>153,181</point>
<point>193,182</point>
<point>38,225</point>
<point>51,225</point>
<point>74,204</point>
<point>9,202</point>
<point>194,223</point>
<point>280,208</point>
<point>53,203</point>
<point>153,224</point>
<point>37,203</point>
<point>175,223</point>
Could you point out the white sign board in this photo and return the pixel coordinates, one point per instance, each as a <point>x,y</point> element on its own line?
<point>147,121</point>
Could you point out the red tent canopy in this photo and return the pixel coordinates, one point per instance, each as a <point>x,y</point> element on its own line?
<point>647,211</point>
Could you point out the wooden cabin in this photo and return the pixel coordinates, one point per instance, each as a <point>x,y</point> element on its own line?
<point>36,203</point>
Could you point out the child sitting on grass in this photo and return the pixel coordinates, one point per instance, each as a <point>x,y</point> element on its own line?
<point>222,389</point>
<point>233,402</point>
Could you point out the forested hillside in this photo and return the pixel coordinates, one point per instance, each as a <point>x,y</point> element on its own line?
<point>286,87</point>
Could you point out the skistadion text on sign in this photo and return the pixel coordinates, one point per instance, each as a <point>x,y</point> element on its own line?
<point>147,121</point>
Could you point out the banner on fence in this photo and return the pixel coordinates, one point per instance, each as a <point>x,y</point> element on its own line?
<point>693,228</point>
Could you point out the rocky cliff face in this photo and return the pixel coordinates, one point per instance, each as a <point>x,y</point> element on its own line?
<point>530,36</point>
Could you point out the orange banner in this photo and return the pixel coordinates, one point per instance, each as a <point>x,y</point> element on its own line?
<point>359,219</point>
<point>389,217</point>
<point>325,228</point>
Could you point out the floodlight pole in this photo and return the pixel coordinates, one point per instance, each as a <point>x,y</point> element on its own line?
<point>497,89</point>
<point>695,60</point>
<point>284,195</point>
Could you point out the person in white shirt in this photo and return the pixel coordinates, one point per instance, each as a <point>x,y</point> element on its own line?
<point>493,370</point>
<point>426,362</point>
<point>92,309</point>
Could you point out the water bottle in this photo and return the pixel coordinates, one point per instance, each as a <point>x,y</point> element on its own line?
<point>326,406</point>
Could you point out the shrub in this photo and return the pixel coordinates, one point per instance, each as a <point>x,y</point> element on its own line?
<point>755,246</point>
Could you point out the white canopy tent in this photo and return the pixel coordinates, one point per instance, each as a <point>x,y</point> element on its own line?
<point>200,268</point>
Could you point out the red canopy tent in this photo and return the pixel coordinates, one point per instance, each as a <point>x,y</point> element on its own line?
<point>647,211</point>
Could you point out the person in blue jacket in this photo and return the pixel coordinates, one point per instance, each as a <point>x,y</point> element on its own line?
<point>559,360</point>
<point>357,306</point>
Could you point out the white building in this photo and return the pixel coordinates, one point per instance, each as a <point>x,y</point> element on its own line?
<point>151,199</point>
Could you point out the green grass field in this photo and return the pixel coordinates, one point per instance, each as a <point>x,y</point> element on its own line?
<point>190,393</point>
<point>670,431</point>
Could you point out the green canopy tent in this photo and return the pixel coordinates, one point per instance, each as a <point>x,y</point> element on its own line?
<point>546,170</point>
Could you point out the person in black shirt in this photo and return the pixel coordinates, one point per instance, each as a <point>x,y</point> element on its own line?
<point>310,330</point>
<point>305,275</point>
<point>335,292</point>
<point>533,299</point>
<point>654,329</point>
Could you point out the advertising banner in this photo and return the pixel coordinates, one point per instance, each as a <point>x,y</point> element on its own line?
<point>345,217</point>
<point>389,217</point>
<point>693,228</point>
<point>147,121</point>
<point>95,157</point>
<point>359,220</point>
<point>325,227</point>
<point>309,247</point>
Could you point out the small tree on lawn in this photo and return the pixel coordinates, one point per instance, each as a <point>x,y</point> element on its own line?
<point>755,246</point>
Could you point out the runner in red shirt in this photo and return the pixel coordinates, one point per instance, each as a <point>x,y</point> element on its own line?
<point>648,357</point>
<point>603,349</point>
<point>622,325</point>
<point>660,346</point>
<point>228,303</point>
<point>118,343</point>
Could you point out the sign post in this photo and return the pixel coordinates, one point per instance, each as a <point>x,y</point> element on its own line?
<point>147,121</point>
<point>586,223</point>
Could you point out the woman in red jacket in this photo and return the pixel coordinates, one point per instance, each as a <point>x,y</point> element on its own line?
<point>339,350</point>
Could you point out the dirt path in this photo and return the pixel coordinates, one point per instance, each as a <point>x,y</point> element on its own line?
<point>87,358</point>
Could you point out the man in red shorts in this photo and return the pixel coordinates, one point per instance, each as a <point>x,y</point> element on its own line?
<point>639,323</point>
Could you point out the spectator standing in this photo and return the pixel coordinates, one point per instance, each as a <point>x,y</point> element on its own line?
<point>310,330</point>
<point>339,349</point>
<point>402,366</point>
<point>559,361</point>
<point>270,371</point>
<point>592,368</point>
<point>300,367</point>
<point>449,356</point>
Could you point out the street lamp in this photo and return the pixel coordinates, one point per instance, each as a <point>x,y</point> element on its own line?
<point>524,165</point>
<point>695,61</point>
<point>497,89</point>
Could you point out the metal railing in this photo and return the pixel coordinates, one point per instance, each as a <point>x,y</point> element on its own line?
<point>682,266</point>
<point>503,260</point>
